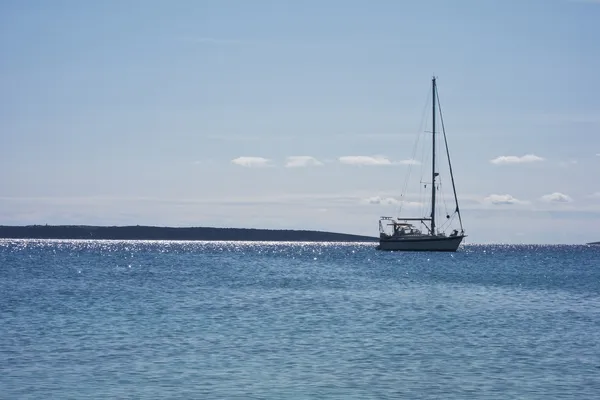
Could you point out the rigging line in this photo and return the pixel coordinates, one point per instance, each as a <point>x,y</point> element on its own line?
<point>443,199</point>
<point>449,163</point>
<point>420,198</point>
<point>448,222</point>
<point>446,217</point>
<point>423,197</point>
<point>414,153</point>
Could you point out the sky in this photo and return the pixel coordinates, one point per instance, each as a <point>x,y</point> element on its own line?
<point>299,114</point>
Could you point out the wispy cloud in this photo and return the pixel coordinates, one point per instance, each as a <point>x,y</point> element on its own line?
<point>502,199</point>
<point>528,158</point>
<point>556,197</point>
<point>568,118</point>
<point>407,162</point>
<point>595,195</point>
<point>302,161</point>
<point>252,162</point>
<point>214,41</point>
<point>334,211</point>
<point>374,160</point>
<point>390,201</point>
<point>585,1</point>
<point>237,137</point>
<point>205,161</point>
<point>365,160</point>
<point>381,200</point>
<point>567,163</point>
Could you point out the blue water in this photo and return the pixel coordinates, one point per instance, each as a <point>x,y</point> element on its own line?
<point>185,320</point>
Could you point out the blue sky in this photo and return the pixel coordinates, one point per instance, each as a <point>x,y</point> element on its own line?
<point>185,113</point>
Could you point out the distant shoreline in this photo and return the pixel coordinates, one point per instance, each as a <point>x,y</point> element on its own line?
<point>138,232</point>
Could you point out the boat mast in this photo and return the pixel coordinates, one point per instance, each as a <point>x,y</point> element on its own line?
<point>433,174</point>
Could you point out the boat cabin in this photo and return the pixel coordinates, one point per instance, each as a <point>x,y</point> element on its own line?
<point>399,229</point>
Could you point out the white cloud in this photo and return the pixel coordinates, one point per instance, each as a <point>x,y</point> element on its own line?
<point>595,195</point>
<point>556,197</point>
<point>597,154</point>
<point>374,160</point>
<point>500,199</point>
<point>302,161</point>
<point>365,160</point>
<point>391,201</point>
<point>381,200</point>
<point>251,161</point>
<point>528,158</point>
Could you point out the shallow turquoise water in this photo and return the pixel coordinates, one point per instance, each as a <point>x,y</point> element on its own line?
<point>182,320</point>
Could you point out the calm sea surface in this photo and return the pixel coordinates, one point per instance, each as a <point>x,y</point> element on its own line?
<point>223,320</point>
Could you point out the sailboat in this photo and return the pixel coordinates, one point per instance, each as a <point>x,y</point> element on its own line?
<point>425,233</point>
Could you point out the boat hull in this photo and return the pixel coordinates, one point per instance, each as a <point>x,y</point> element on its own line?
<point>428,243</point>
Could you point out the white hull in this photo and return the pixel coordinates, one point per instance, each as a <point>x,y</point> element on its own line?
<point>423,243</point>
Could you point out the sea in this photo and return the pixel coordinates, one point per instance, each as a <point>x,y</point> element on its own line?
<point>85,319</point>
